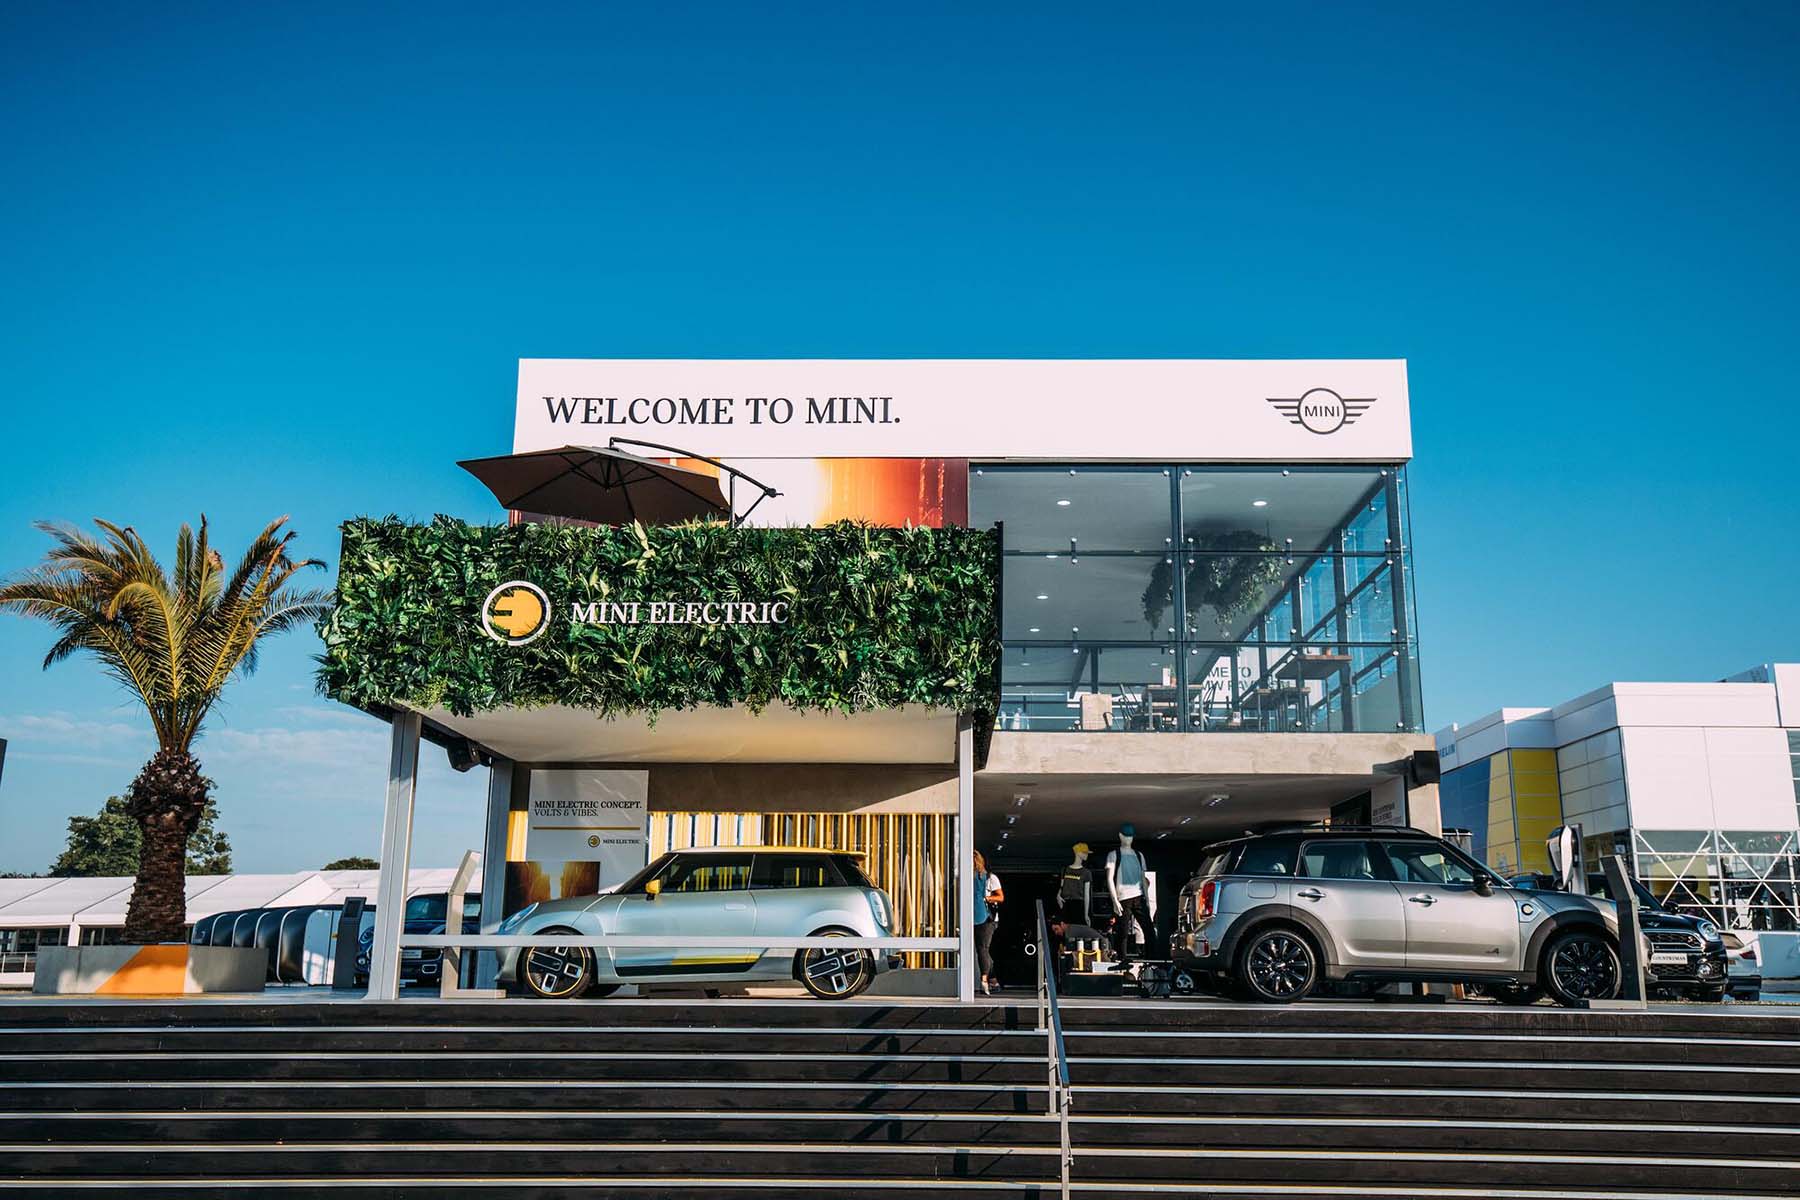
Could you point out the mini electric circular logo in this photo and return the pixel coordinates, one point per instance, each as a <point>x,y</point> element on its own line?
<point>1322,410</point>
<point>516,612</point>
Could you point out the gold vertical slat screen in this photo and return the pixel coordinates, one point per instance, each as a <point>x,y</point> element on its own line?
<point>906,855</point>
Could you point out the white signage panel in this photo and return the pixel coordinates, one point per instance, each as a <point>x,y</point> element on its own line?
<point>1211,410</point>
<point>590,816</point>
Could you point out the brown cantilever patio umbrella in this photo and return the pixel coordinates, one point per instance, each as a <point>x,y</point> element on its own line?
<point>608,486</point>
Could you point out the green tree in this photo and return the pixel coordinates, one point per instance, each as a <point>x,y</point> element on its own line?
<point>109,844</point>
<point>356,862</point>
<point>174,641</point>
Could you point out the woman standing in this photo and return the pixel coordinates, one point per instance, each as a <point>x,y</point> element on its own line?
<point>988,898</point>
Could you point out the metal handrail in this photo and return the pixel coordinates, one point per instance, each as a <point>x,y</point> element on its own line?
<point>1062,1096</point>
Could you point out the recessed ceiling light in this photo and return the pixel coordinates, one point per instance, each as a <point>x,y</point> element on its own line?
<point>1062,504</point>
<point>1259,504</point>
<point>1043,595</point>
<point>1034,629</point>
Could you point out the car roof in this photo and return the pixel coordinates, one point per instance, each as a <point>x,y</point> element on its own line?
<point>764,850</point>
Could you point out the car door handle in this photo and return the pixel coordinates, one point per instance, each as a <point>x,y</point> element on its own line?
<point>1310,894</point>
<point>1422,899</point>
<point>733,907</point>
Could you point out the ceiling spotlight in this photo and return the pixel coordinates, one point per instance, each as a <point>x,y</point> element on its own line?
<point>1020,800</point>
<point>1034,629</point>
<point>1012,818</point>
<point>1259,504</point>
<point>1043,595</point>
<point>1185,820</point>
<point>1062,504</point>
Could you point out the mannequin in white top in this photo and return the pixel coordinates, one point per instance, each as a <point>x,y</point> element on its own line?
<point>1125,871</point>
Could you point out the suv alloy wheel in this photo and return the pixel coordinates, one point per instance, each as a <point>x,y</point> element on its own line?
<point>1278,966</point>
<point>1579,966</point>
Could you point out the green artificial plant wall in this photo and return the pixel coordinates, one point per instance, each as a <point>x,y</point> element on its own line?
<point>879,617</point>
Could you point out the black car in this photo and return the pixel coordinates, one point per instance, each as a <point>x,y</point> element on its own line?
<point>427,913</point>
<point>1684,955</point>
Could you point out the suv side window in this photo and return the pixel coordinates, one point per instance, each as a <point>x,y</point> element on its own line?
<point>793,871</point>
<point>1423,862</point>
<point>708,873</point>
<point>1337,860</point>
<point>1267,858</point>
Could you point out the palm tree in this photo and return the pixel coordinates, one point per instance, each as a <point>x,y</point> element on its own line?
<point>173,642</point>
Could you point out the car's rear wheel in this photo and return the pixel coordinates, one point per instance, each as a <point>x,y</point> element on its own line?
<point>1579,966</point>
<point>557,972</point>
<point>834,974</point>
<point>1278,966</point>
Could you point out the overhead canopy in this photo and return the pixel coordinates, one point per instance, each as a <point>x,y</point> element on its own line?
<point>734,734</point>
<point>606,486</point>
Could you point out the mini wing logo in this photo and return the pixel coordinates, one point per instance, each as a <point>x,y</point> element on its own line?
<point>1322,410</point>
<point>516,612</point>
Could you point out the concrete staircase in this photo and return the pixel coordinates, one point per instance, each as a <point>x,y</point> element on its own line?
<point>766,1098</point>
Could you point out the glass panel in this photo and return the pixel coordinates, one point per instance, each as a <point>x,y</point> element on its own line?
<point>709,873</point>
<point>1421,862</point>
<point>1092,688</point>
<point>792,871</point>
<point>1101,509</point>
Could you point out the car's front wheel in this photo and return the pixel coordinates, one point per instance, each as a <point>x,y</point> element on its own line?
<point>1278,966</point>
<point>556,972</point>
<point>1580,966</point>
<point>834,974</point>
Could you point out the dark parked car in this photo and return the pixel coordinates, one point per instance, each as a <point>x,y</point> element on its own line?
<point>1278,914</point>
<point>1684,955</point>
<point>427,913</point>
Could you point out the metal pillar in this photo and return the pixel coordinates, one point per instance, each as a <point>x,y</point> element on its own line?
<point>1403,632</point>
<point>396,857</point>
<point>493,863</point>
<point>965,861</point>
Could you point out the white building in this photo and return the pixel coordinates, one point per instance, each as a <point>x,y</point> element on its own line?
<point>91,910</point>
<point>1698,783</point>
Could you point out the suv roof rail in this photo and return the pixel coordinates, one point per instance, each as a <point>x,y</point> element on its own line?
<point>1316,827</point>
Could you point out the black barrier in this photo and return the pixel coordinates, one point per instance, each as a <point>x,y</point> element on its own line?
<point>243,929</point>
<point>265,936</point>
<point>290,944</point>
<point>349,944</point>
<point>1631,957</point>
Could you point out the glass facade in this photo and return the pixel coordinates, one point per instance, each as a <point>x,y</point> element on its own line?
<point>1203,598</point>
<point>1743,879</point>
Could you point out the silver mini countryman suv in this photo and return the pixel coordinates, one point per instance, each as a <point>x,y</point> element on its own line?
<point>734,891</point>
<point>1276,914</point>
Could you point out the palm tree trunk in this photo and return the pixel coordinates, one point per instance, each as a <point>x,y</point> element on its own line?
<point>167,799</point>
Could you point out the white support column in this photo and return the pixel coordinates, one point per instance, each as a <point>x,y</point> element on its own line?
<point>396,857</point>
<point>493,863</point>
<point>965,850</point>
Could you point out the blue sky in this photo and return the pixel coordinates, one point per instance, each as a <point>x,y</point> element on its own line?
<point>283,259</point>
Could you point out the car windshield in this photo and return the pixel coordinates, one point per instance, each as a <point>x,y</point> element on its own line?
<point>636,882</point>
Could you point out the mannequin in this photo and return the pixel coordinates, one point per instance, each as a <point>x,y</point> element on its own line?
<point>1125,871</point>
<point>1072,893</point>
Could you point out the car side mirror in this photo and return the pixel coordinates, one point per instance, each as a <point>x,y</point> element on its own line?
<point>653,889</point>
<point>1484,886</point>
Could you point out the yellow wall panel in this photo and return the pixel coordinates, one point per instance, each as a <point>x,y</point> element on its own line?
<point>1533,760</point>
